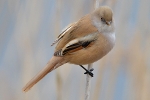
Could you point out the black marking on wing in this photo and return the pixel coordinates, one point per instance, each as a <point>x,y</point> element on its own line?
<point>85,44</point>
<point>58,53</point>
<point>73,48</point>
<point>77,46</point>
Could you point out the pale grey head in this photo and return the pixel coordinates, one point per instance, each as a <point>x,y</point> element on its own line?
<point>103,19</point>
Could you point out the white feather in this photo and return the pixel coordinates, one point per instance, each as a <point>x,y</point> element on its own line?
<point>64,31</point>
<point>86,38</point>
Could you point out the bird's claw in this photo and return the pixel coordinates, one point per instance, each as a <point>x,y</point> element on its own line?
<point>90,72</point>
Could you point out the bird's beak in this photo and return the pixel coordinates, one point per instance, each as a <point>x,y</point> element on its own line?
<point>108,22</point>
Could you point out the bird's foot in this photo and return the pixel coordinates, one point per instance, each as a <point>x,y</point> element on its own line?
<point>88,71</point>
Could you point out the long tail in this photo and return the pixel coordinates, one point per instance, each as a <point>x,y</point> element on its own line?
<point>54,63</point>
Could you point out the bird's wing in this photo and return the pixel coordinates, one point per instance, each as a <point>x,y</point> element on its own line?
<point>80,29</point>
<point>77,44</point>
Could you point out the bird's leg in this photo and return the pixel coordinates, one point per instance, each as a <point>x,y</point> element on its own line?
<point>88,71</point>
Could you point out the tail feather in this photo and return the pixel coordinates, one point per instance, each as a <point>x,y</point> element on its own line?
<point>54,63</point>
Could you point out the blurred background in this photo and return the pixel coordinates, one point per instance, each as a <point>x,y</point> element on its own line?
<point>27,29</point>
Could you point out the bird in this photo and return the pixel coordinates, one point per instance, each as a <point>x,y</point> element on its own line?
<point>82,42</point>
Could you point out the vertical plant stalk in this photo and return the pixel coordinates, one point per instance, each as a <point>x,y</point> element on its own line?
<point>96,4</point>
<point>88,84</point>
<point>88,77</point>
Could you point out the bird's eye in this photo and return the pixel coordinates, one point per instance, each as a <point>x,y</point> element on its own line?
<point>103,20</point>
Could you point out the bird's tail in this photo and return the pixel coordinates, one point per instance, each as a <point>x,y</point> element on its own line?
<point>54,63</point>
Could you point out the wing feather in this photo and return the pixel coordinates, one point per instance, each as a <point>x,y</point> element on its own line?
<point>76,37</point>
<point>62,33</point>
<point>77,44</point>
<point>80,29</point>
<point>73,48</point>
